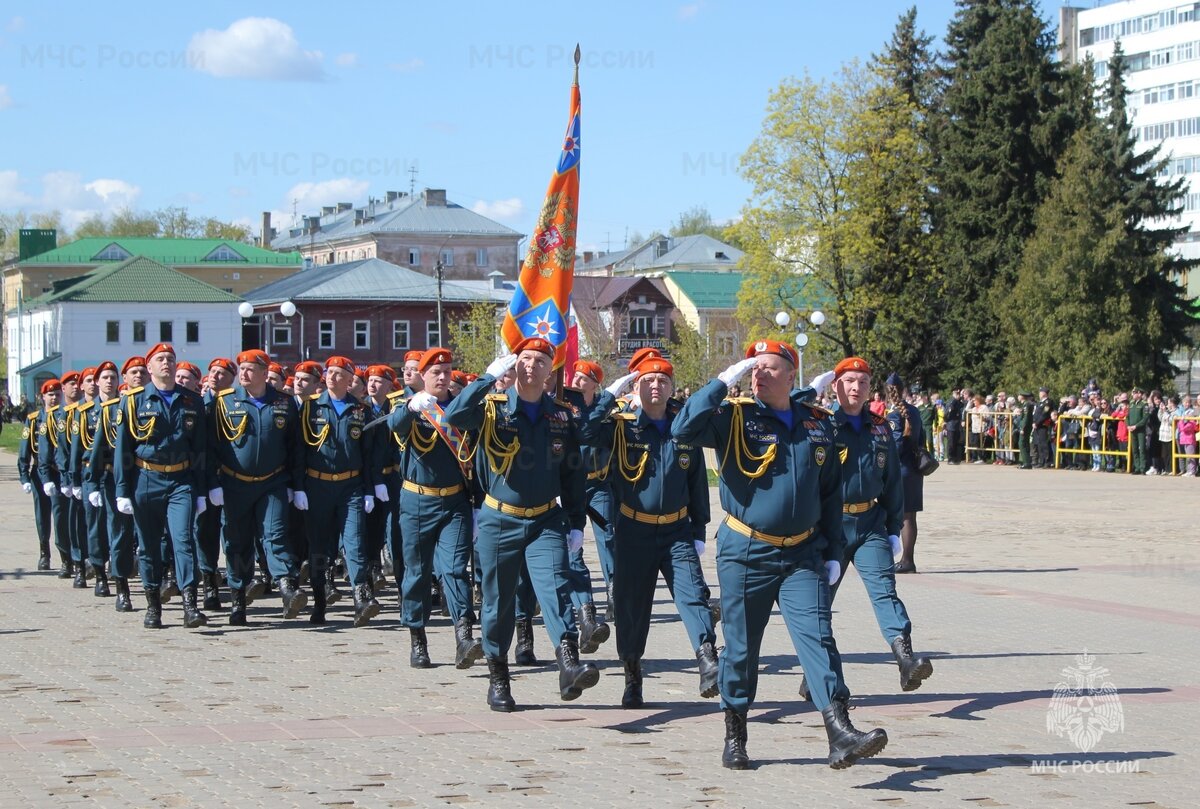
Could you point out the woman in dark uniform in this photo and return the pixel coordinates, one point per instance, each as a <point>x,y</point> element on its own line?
<point>905,421</point>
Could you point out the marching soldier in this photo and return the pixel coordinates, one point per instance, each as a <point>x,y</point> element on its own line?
<point>435,510</point>
<point>781,542</point>
<point>188,375</point>
<point>661,489</point>
<point>336,487</point>
<point>528,457</point>
<point>306,382</point>
<point>83,431</point>
<point>51,434</point>
<point>27,468</point>
<point>158,464</point>
<point>411,376</point>
<point>380,383</point>
<point>76,526</point>
<point>100,483</point>
<point>254,468</point>
<point>221,374</point>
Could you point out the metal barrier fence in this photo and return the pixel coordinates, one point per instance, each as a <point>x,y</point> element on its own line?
<point>997,436</point>
<point>1178,457</point>
<point>1104,450</point>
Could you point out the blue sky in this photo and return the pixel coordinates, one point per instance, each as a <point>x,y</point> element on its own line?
<point>232,109</point>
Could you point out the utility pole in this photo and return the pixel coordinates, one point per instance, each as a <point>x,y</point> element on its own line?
<point>437,271</point>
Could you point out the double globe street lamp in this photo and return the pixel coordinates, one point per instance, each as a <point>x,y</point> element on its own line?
<point>816,317</point>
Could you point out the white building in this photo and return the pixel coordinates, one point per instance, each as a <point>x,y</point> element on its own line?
<point>113,313</point>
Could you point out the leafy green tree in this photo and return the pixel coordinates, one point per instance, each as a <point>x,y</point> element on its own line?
<point>689,356</point>
<point>474,336</point>
<point>696,220</point>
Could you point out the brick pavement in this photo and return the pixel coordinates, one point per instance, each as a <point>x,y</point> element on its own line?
<point>1020,572</point>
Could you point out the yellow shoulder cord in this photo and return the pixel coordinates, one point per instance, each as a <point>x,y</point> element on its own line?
<point>110,430</point>
<point>52,430</point>
<point>87,440</point>
<point>421,445</point>
<point>737,442</point>
<point>139,431</point>
<point>33,439</point>
<point>499,455</point>
<point>631,472</point>
<point>229,431</point>
<point>314,440</point>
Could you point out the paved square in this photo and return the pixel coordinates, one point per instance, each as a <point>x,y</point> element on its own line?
<point>1021,572</point>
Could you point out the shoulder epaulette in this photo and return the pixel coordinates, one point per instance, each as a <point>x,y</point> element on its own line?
<point>70,407</point>
<point>132,391</point>
<point>740,400</point>
<point>497,397</point>
<point>113,400</point>
<point>396,394</point>
<point>314,396</point>
<point>52,409</point>
<point>625,415</point>
<point>32,416</point>
<point>86,405</point>
<point>820,412</point>
<point>225,392</point>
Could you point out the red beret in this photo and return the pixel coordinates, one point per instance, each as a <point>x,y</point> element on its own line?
<point>275,367</point>
<point>383,372</point>
<point>86,372</point>
<point>190,368</point>
<point>460,378</point>
<point>589,368</point>
<point>656,365</point>
<point>340,362</point>
<point>289,382</point>
<point>107,365</point>
<point>412,356</point>
<point>642,354</point>
<point>434,356</point>
<point>122,387</point>
<point>254,356</point>
<point>226,364</point>
<point>133,362</point>
<point>851,364</point>
<point>309,367</point>
<point>471,377</point>
<point>535,344</point>
<point>773,347</point>
<point>69,377</point>
<point>51,386</point>
<point>161,348</point>
<point>361,373</point>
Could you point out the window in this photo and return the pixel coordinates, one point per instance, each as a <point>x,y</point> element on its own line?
<point>166,328</point>
<point>114,252</point>
<point>400,334</point>
<point>725,343</point>
<point>481,257</point>
<point>362,334</point>
<point>432,336</point>
<point>447,258</point>
<point>281,335</point>
<point>639,325</point>
<point>325,334</point>
<point>414,257</point>
<point>112,331</point>
<point>224,253</point>
<point>192,329</point>
<point>139,331</point>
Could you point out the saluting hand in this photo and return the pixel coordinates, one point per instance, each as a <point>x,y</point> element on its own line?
<point>736,371</point>
<point>623,384</point>
<point>821,381</point>
<point>500,365</point>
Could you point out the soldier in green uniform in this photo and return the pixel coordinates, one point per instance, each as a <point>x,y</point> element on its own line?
<point>87,420</point>
<point>1135,421</point>
<point>527,459</point>
<point>99,481</point>
<point>1025,428</point>
<point>337,489</point>
<point>661,490</point>
<point>27,468</point>
<point>158,464</point>
<point>435,509</point>
<point>254,466</point>
<point>781,486</point>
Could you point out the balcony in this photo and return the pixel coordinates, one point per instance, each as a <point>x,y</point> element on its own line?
<point>627,345</point>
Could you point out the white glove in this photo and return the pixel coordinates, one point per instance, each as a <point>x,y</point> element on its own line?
<point>95,499</point>
<point>78,492</point>
<point>216,496</point>
<point>833,571</point>
<point>28,487</point>
<point>124,505</point>
<point>381,493</point>
<point>574,540</point>
<point>291,496</point>
<point>500,365</point>
<point>49,488</point>
<point>300,501</point>
<point>368,503</point>
<point>623,384</point>
<point>201,505</point>
<point>894,541</point>
<point>698,544</point>
<point>821,381</point>
<point>71,491</point>
<point>421,401</point>
<point>736,371</point>
<point>633,404</point>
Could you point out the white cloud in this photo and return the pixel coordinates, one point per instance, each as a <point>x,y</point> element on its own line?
<point>11,195</point>
<point>15,24</point>
<point>347,59</point>
<point>411,66</point>
<point>688,11</point>
<point>499,209</point>
<point>5,98</point>
<point>309,197</point>
<point>67,192</point>
<point>255,48</point>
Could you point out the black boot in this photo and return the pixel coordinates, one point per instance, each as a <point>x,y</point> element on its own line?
<point>192,617</point>
<point>734,756</point>
<point>102,590</point>
<point>418,657</point>
<point>378,578</point>
<point>317,616</point>
<point>264,576</point>
<point>467,648</point>
<point>212,596</point>
<point>332,593</point>
<point>435,595</point>
<point>805,694</point>
<point>305,571</point>
<point>632,698</point>
<point>293,599</point>
<point>499,696</point>
<point>44,556</point>
<point>80,582</point>
<point>706,657</point>
<point>255,589</point>
<point>66,570</point>
<point>591,633</point>
<point>714,610</point>
<point>365,605</point>
<point>124,603</point>
<point>153,617</point>
<point>610,615</point>
<point>169,587</point>
<point>913,670</point>
<point>846,744</point>
<point>523,652</point>
<point>237,607</point>
<point>573,676</point>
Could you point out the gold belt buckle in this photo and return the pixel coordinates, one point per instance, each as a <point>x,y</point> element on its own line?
<point>663,519</point>
<point>529,512</point>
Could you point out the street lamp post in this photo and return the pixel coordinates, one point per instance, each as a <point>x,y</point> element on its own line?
<point>816,318</point>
